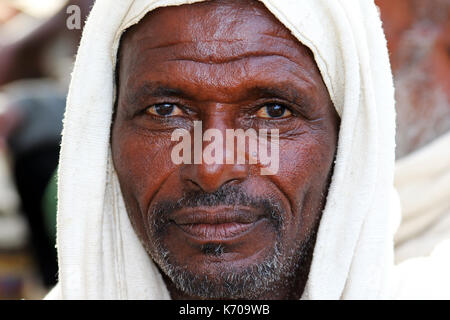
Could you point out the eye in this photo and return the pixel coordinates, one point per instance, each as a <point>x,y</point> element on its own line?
<point>273,111</point>
<point>164,110</point>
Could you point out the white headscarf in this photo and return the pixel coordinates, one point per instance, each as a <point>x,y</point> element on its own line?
<point>100,255</point>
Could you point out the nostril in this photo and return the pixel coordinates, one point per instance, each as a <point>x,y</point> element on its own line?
<point>210,178</point>
<point>233,182</point>
<point>193,185</point>
<point>211,188</point>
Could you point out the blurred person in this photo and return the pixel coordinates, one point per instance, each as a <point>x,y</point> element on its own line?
<point>24,57</point>
<point>31,123</point>
<point>133,224</point>
<point>418,35</point>
<point>34,146</point>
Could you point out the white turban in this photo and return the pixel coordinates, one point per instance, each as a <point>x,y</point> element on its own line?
<point>99,254</point>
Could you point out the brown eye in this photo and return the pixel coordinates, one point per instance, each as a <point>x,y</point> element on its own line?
<point>273,111</point>
<point>164,110</point>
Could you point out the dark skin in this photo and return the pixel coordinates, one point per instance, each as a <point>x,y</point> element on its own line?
<point>230,65</point>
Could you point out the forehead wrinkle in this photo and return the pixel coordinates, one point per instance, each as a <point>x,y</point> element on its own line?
<point>247,65</point>
<point>161,71</point>
<point>153,56</point>
<point>263,41</point>
<point>301,76</point>
<point>221,52</point>
<point>291,89</point>
<point>276,35</point>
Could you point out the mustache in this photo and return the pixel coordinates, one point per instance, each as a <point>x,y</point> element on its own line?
<point>227,195</point>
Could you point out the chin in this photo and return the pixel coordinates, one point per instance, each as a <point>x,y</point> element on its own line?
<point>215,273</point>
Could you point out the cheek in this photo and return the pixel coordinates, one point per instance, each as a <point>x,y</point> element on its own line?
<point>306,162</point>
<point>305,165</point>
<point>142,163</point>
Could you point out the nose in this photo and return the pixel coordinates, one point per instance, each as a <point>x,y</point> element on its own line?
<point>209,176</point>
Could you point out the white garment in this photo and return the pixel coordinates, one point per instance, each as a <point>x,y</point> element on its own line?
<point>423,182</point>
<point>99,254</point>
<point>423,239</point>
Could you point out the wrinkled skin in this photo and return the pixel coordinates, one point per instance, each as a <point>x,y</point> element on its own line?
<point>222,62</point>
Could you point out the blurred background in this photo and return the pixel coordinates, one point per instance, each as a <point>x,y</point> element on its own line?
<point>37,50</point>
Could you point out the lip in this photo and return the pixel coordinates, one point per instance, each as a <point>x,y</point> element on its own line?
<point>218,223</point>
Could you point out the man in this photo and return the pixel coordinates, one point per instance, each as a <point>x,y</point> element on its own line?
<point>135,224</point>
<point>223,230</point>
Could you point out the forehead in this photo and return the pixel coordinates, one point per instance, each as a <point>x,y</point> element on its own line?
<point>212,34</point>
<point>212,30</point>
<point>206,21</point>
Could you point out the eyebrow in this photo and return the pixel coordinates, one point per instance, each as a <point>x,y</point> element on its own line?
<point>156,90</point>
<point>230,50</point>
<point>284,91</point>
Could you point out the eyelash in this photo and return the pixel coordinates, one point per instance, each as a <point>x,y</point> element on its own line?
<point>287,106</point>
<point>253,110</point>
<point>145,110</point>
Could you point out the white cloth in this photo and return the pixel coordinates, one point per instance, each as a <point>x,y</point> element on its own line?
<point>98,252</point>
<point>423,238</point>
<point>424,277</point>
<point>423,182</point>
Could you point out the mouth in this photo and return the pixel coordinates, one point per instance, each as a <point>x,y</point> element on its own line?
<point>216,224</point>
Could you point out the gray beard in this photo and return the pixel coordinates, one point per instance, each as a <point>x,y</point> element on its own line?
<point>253,282</point>
<point>278,270</point>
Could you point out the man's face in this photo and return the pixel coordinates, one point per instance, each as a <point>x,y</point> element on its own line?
<point>223,230</point>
